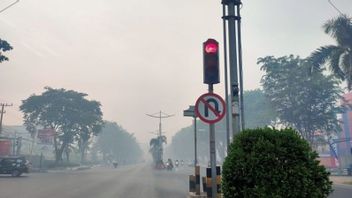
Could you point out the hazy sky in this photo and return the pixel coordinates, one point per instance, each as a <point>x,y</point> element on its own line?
<point>142,56</point>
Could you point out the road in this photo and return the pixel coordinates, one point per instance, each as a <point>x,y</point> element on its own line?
<point>125,182</point>
<point>341,191</point>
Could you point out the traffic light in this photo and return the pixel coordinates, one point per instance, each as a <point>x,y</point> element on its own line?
<point>211,62</point>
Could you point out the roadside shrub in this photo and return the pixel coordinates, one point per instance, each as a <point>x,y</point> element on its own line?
<point>270,163</point>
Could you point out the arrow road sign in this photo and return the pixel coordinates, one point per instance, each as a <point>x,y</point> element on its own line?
<point>210,108</point>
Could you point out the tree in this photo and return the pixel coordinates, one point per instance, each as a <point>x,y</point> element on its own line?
<point>338,57</point>
<point>115,143</point>
<point>306,102</point>
<point>67,112</point>
<point>4,46</point>
<point>156,148</point>
<point>266,162</point>
<point>89,124</point>
<point>259,112</point>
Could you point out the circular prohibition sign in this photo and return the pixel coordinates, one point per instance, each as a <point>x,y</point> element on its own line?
<point>210,108</point>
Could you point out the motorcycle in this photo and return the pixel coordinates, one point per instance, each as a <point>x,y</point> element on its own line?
<point>169,165</point>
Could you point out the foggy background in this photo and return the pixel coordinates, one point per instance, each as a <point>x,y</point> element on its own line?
<point>139,57</point>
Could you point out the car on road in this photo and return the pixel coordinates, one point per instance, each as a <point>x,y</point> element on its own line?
<point>14,165</point>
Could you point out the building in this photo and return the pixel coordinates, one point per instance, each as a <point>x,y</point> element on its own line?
<point>343,143</point>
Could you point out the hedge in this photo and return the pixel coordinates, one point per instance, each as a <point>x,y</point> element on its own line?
<point>273,163</point>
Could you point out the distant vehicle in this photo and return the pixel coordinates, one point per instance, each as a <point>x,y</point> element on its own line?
<point>14,165</point>
<point>115,164</point>
<point>176,163</point>
<point>169,165</point>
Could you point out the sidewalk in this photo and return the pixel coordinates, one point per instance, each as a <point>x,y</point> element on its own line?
<point>341,179</point>
<point>61,169</point>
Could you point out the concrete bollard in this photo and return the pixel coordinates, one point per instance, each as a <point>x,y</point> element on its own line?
<point>192,183</point>
<point>197,178</point>
<point>204,181</point>
<point>208,179</point>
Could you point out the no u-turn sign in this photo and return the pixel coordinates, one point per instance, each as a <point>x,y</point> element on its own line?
<point>210,108</point>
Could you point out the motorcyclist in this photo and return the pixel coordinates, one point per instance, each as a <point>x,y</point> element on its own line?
<point>170,165</point>
<point>176,163</point>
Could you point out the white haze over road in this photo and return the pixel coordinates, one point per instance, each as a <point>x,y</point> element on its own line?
<point>142,56</point>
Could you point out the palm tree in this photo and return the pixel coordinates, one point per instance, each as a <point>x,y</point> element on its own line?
<point>338,57</point>
<point>156,148</point>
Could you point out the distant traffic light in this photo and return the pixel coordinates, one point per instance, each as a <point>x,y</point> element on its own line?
<point>211,62</point>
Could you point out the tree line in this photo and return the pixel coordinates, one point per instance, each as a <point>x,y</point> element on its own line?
<point>76,121</point>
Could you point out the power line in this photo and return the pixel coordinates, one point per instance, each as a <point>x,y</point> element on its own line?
<point>160,115</point>
<point>333,5</point>
<point>7,7</point>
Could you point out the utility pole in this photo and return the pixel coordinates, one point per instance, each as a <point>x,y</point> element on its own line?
<point>160,115</point>
<point>3,105</point>
<point>233,18</point>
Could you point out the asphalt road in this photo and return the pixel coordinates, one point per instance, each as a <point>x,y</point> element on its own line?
<point>341,191</point>
<point>125,182</point>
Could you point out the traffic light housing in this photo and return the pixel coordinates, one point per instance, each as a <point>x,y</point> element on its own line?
<point>211,62</point>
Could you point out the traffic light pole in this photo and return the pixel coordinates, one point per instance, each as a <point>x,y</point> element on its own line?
<point>195,141</point>
<point>232,17</point>
<point>212,154</point>
<point>211,76</point>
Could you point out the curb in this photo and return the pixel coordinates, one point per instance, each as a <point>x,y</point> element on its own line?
<point>193,195</point>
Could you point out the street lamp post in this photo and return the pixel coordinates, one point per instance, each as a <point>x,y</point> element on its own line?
<point>190,112</point>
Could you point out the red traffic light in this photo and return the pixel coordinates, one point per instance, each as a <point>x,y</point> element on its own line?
<point>211,62</point>
<point>211,46</point>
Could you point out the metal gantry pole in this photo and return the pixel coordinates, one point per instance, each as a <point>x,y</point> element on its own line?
<point>160,139</point>
<point>227,99</point>
<point>240,65</point>
<point>233,59</point>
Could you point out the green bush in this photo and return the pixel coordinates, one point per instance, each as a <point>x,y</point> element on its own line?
<point>270,163</point>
